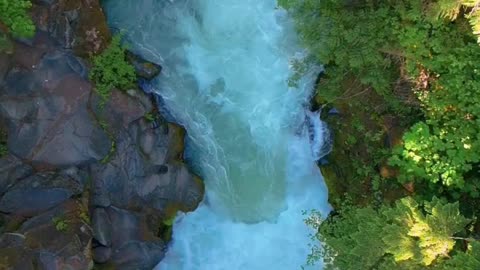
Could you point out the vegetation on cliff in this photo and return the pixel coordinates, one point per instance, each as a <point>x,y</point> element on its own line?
<point>399,67</point>
<point>14,15</point>
<point>112,70</point>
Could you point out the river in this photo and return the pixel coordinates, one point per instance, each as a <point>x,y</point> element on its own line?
<point>224,78</point>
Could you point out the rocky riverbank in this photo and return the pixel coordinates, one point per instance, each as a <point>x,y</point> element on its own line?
<point>80,185</point>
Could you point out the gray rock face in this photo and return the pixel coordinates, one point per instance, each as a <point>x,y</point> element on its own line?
<point>38,193</point>
<point>143,179</point>
<point>83,184</point>
<point>132,246</point>
<point>77,25</point>
<point>11,170</point>
<point>39,244</point>
<point>46,110</point>
<point>143,173</point>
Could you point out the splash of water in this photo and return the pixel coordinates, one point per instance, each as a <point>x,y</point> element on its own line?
<point>225,70</point>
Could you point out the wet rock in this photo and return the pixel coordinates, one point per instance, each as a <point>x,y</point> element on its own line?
<point>143,68</point>
<point>46,111</point>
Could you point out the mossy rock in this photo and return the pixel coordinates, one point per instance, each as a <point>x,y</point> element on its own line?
<point>363,137</point>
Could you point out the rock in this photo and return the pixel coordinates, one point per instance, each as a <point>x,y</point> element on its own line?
<point>56,143</point>
<point>333,111</point>
<point>102,227</point>
<point>40,245</point>
<point>140,184</point>
<point>162,144</point>
<point>11,240</point>
<point>133,246</point>
<point>138,256</point>
<point>143,68</point>
<point>77,25</point>
<point>38,193</point>
<point>102,254</point>
<point>121,108</point>
<point>11,170</point>
<point>143,181</point>
<point>32,201</point>
<point>46,111</point>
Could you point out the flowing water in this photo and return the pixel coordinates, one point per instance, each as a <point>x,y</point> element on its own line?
<point>225,70</point>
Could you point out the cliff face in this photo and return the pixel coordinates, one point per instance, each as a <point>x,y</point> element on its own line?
<point>80,184</point>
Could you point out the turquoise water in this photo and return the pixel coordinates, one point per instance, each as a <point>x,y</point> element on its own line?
<point>226,65</point>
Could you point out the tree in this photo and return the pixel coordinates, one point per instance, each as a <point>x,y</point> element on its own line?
<point>406,235</point>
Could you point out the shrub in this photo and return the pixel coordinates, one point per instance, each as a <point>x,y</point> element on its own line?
<point>111,70</point>
<point>13,13</point>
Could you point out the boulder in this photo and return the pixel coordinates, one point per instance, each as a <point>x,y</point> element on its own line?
<point>132,245</point>
<point>45,107</point>
<point>143,172</point>
<point>40,244</point>
<point>11,170</point>
<point>39,192</point>
<point>77,25</point>
<point>143,182</point>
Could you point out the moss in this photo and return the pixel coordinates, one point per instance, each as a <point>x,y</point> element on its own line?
<point>150,117</point>
<point>61,224</point>
<point>165,229</point>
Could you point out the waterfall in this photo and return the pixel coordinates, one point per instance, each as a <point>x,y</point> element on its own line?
<point>224,78</point>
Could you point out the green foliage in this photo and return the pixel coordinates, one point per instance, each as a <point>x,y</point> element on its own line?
<point>60,223</point>
<point>348,41</point>
<point>13,13</point>
<point>446,146</point>
<point>150,117</point>
<point>404,236</point>
<point>111,70</point>
<point>465,260</point>
<point>420,53</point>
<point>452,9</point>
<point>426,43</point>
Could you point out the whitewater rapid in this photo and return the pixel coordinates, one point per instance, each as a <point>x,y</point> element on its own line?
<point>225,70</point>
